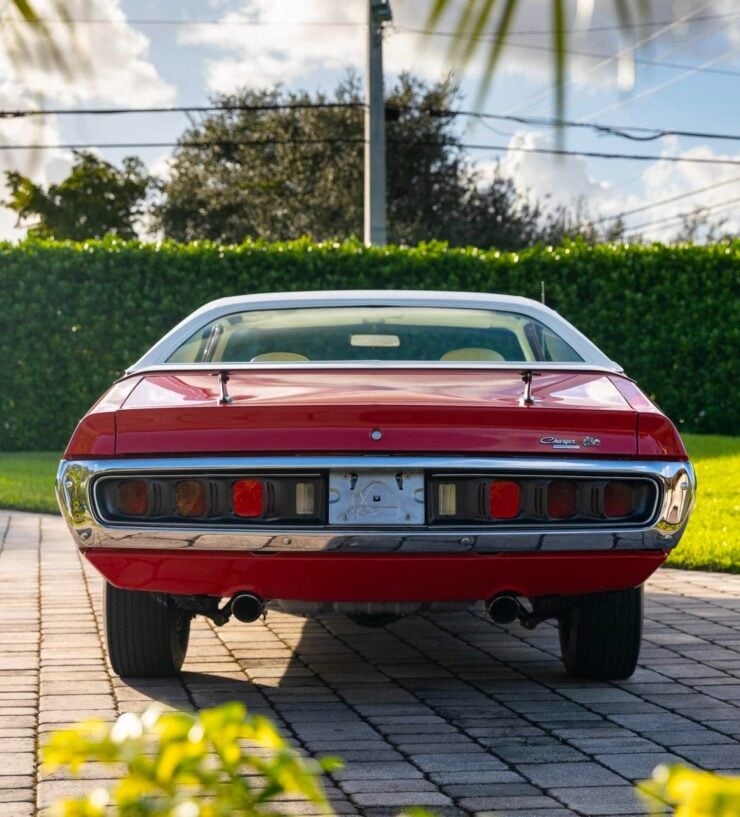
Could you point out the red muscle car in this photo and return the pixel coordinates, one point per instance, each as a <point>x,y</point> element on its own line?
<point>375,454</point>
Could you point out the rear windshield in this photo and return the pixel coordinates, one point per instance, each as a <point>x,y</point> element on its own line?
<point>369,333</point>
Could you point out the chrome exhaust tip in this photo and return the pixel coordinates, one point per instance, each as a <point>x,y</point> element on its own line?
<point>246,607</point>
<point>504,608</point>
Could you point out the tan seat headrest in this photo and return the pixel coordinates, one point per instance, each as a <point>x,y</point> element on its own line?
<point>278,356</point>
<point>472,353</point>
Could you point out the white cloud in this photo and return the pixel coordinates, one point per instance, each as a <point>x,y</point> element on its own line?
<point>296,46</point>
<point>663,180</point>
<point>567,180</point>
<point>42,166</point>
<point>110,65</point>
<point>263,55</point>
<point>294,49</point>
<point>601,57</point>
<point>108,61</point>
<point>561,180</point>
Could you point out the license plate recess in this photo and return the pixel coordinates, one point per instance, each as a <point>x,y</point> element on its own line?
<point>369,498</point>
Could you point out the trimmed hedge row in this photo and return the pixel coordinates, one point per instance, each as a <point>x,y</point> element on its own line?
<point>73,316</point>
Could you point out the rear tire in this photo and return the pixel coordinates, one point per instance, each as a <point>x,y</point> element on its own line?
<point>147,634</point>
<point>600,636</point>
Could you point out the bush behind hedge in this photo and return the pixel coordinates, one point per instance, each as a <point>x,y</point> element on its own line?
<point>73,316</point>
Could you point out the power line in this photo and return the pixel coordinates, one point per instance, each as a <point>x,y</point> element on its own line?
<point>143,21</point>
<point>661,85</point>
<point>72,21</point>
<point>622,28</point>
<point>624,54</point>
<point>638,157</point>
<point>676,66</point>
<point>268,106</point>
<point>670,200</point>
<point>190,143</point>
<point>680,216</point>
<point>623,131</point>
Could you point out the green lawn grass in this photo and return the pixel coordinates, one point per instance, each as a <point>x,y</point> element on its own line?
<point>27,481</point>
<point>712,539</point>
<point>711,542</point>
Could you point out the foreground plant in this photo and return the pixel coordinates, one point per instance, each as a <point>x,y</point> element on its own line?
<point>692,793</point>
<point>219,762</point>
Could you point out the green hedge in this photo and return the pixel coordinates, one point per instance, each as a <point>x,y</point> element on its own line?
<point>73,316</point>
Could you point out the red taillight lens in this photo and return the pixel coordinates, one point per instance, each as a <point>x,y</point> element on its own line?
<point>190,496</point>
<point>618,499</point>
<point>133,498</point>
<point>561,500</point>
<point>248,498</point>
<point>504,499</point>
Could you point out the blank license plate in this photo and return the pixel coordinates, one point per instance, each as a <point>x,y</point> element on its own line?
<point>376,498</point>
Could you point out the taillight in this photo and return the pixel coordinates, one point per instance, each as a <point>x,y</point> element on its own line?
<point>618,499</point>
<point>248,498</point>
<point>447,498</point>
<point>190,498</point>
<point>561,500</point>
<point>304,498</point>
<point>133,497</point>
<point>504,499</point>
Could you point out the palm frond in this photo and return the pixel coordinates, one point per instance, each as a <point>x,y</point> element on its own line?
<point>477,15</point>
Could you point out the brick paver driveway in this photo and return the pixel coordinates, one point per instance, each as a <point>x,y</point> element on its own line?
<point>453,712</point>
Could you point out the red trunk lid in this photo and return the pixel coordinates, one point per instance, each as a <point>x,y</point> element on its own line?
<point>455,411</point>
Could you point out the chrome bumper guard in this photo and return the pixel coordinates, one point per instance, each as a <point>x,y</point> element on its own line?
<point>675,481</point>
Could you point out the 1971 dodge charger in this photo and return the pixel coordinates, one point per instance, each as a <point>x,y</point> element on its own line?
<point>376,454</point>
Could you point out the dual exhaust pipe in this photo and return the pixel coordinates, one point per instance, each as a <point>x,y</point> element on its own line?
<point>502,609</point>
<point>246,607</point>
<point>505,608</point>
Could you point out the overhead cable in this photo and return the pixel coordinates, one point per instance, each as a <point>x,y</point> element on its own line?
<point>680,216</point>
<point>637,133</point>
<point>223,21</point>
<point>595,55</point>
<point>638,157</point>
<point>662,202</point>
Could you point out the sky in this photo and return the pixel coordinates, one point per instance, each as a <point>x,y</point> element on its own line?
<point>685,76</point>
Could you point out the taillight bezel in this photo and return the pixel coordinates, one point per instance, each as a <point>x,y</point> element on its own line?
<point>279,491</point>
<point>472,494</point>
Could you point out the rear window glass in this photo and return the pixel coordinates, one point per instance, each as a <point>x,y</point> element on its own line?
<point>368,333</point>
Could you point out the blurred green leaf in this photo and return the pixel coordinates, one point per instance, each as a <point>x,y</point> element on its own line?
<point>691,793</point>
<point>178,763</point>
<point>477,17</point>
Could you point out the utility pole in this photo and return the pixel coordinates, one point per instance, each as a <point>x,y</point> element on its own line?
<point>379,12</point>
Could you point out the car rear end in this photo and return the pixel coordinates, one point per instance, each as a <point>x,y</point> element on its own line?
<point>542,489</point>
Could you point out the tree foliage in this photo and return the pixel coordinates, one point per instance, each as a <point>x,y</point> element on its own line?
<point>691,793</point>
<point>219,762</point>
<point>95,200</point>
<point>74,316</point>
<point>278,174</point>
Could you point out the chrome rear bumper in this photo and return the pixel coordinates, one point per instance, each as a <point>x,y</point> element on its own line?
<point>675,481</point>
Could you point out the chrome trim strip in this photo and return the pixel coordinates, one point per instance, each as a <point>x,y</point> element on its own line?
<point>390,365</point>
<point>676,482</point>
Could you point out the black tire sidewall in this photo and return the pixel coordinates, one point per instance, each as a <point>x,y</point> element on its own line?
<point>600,636</point>
<point>146,633</point>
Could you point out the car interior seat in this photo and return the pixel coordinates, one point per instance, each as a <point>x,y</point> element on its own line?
<point>285,357</point>
<point>472,353</point>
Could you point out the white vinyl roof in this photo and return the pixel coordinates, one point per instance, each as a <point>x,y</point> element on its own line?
<point>164,348</point>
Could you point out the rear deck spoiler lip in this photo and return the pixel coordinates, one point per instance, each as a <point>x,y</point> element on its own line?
<point>522,366</point>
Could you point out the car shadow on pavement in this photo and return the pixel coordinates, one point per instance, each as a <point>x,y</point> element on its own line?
<point>459,708</point>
